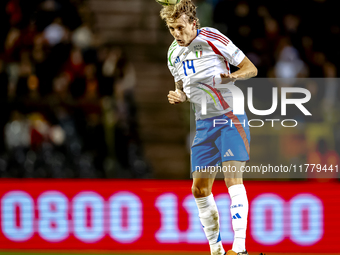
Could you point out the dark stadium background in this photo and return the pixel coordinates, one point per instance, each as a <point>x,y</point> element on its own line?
<point>83,86</point>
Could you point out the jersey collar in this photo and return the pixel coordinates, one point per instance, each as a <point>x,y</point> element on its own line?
<point>196,39</point>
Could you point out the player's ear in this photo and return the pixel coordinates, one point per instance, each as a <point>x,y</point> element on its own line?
<point>194,24</point>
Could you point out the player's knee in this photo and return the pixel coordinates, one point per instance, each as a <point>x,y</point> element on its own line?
<point>200,191</point>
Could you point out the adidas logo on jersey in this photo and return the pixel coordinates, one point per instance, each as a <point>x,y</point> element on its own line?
<point>177,60</point>
<point>228,153</point>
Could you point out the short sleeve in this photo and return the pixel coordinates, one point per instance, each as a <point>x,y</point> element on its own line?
<point>171,66</point>
<point>222,45</point>
<point>233,54</point>
<point>173,71</point>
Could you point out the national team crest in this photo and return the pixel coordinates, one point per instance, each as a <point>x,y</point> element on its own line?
<point>199,50</point>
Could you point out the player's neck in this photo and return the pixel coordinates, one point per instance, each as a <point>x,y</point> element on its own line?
<point>194,35</point>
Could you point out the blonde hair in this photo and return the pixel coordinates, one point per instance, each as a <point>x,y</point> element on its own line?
<point>172,12</point>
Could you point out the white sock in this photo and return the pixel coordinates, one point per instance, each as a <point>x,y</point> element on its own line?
<point>239,213</point>
<point>208,214</point>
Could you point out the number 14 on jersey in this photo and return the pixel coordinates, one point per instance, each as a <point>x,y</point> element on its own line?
<point>190,65</point>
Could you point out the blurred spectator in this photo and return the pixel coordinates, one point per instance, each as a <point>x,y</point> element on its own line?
<point>55,32</point>
<point>13,9</point>
<point>17,132</point>
<point>289,64</point>
<point>83,37</point>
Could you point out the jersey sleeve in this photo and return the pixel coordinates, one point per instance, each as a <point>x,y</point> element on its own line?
<point>173,72</point>
<point>222,45</point>
<point>171,61</point>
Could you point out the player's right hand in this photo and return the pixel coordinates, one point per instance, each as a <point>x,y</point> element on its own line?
<point>226,78</point>
<point>176,97</point>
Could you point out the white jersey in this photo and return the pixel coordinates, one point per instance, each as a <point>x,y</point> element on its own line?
<point>197,65</point>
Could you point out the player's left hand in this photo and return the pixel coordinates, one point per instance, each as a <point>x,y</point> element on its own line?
<point>226,78</point>
<point>176,97</point>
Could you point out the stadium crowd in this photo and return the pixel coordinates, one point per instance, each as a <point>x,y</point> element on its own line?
<point>67,104</point>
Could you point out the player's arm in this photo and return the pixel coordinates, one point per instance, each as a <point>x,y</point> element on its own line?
<point>177,96</point>
<point>246,71</point>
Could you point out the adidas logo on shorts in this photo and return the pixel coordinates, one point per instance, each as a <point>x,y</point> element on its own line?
<point>228,153</point>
